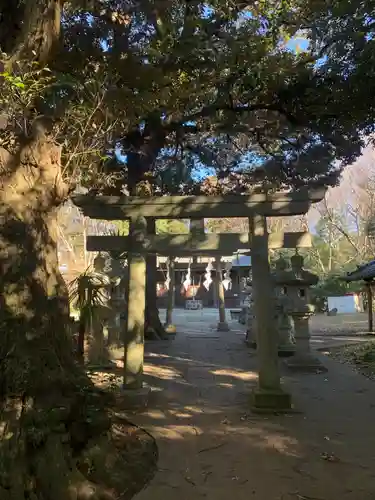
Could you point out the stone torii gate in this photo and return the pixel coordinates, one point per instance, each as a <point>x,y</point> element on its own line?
<point>257,207</point>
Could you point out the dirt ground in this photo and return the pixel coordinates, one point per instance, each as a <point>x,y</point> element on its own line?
<point>123,460</point>
<point>341,324</point>
<point>211,446</point>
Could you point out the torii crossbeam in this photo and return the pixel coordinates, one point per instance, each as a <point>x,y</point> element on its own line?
<point>181,245</point>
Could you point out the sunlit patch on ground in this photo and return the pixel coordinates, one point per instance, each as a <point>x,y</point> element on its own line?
<point>241,375</point>
<point>161,372</point>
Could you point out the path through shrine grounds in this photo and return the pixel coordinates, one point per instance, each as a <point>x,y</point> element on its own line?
<point>212,447</point>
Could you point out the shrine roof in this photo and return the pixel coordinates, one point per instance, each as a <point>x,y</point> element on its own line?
<point>366,272</point>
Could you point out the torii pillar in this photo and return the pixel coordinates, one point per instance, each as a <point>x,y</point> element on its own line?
<point>134,392</point>
<point>269,394</point>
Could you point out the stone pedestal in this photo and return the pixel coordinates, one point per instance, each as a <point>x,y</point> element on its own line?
<point>270,401</point>
<point>97,346</point>
<point>116,273</point>
<point>284,324</point>
<point>269,395</point>
<point>115,329</point>
<point>303,360</point>
<point>287,346</point>
<point>223,327</point>
<point>97,292</point>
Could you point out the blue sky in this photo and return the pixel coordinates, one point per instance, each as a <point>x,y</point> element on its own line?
<point>298,43</point>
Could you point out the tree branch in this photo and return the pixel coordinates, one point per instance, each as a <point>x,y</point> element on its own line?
<point>208,111</point>
<point>339,228</point>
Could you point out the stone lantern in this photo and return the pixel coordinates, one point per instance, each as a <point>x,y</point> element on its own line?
<point>286,345</point>
<point>98,285</point>
<point>297,282</point>
<point>116,273</point>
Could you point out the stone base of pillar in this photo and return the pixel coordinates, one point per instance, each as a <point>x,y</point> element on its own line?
<point>286,350</point>
<point>223,326</point>
<point>250,340</point>
<point>134,399</point>
<point>170,329</point>
<point>267,401</point>
<point>150,334</point>
<point>305,363</point>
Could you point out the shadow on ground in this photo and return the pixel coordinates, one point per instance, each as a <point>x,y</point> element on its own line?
<point>211,446</point>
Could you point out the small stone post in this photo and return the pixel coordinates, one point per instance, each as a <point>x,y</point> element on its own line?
<point>134,334</point>
<point>169,326</point>
<point>222,325</point>
<point>268,396</point>
<point>301,324</point>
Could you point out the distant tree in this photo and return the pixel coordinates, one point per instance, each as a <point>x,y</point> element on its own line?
<point>170,226</point>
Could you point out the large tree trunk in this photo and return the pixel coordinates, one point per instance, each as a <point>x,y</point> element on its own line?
<point>30,29</point>
<point>46,400</point>
<point>49,410</point>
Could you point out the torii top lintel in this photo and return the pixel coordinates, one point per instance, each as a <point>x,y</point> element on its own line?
<point>169,207</point>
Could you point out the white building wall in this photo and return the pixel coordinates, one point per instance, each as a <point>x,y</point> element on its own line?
<point>346,304</point>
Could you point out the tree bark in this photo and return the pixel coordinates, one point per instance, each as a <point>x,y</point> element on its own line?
<point>46,400</point>
<point>30,29</point>
<point>49,410</point>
